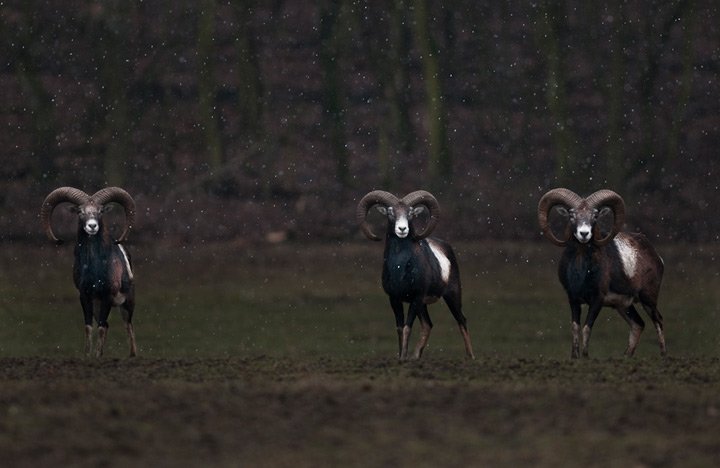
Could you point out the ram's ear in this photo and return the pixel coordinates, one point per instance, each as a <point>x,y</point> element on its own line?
<point>562,211</point>
<point>417,210</point>
<point>107,208</point>
<point>381,209</point>
<point>74,209</point>
<point>604,211</point>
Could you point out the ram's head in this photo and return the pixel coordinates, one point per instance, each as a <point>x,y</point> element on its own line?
<point>582,215</point>
<point>89,208</point>
<point>399,212</point>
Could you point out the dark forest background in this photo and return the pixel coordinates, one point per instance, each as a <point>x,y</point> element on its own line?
<point>249,120</point>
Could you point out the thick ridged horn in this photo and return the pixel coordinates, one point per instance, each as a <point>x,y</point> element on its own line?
<point>612,200</point>
<point>556,197</point>
<point>120,196</point>
<point>421,197</point>
<point>376,197</point>
<point>54,198</point>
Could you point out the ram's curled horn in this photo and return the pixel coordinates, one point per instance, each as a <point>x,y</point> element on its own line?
<point>610,199</point>
<point>54,198</point>
<point>556,197</point>
<point>421,197</point>
<point>120,196</point>
<point>376,197</point>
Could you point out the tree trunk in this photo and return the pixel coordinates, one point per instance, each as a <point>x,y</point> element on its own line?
<point>39,100</point>
<point>115,30</point>
<point>686,82</point>
<point>656,43</point>
<point>615,158</point>
<point>550,26</point>
<point>389,54</point>
<point>440,158</point>
<point>331,41</point>
<point>250,86</point>
<point>207,88</point>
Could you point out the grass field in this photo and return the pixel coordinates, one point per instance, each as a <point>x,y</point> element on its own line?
<point>284,355</point>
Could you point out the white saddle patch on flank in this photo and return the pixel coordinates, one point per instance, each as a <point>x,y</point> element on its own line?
<point>127,261</point>
<point>628,255</point>
<point>442,260</point>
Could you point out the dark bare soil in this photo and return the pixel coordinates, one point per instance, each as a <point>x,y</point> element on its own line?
<point>264,411</point>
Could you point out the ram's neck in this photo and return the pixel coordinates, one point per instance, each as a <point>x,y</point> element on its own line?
<point>395,246</point>
<point>93,246</point>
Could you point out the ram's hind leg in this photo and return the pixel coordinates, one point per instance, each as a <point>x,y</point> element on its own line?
<point>636,324</point>
<point>657,320</point>
<point>454,303</point>
<point>127,312</point>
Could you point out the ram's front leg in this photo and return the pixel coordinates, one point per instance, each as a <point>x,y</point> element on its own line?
<point>88,339</point>
<point>593,311</point>
<point>105,306</point>
<point>575,310</point>
<point>407,329</point>
<point>397,307</point>
<point>87,307</point>
<point>427,325</point>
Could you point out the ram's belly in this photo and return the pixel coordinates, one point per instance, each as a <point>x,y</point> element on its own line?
<point>613,299</point>
<point>408,284</point>
<point>118,299</point>
<point>431,299</point>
